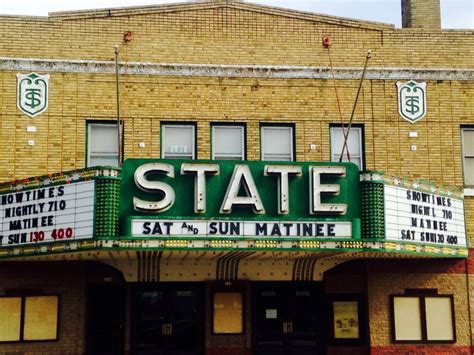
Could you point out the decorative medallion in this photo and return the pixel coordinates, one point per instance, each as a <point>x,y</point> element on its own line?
<point>412,100</point>
<point>32,93</point>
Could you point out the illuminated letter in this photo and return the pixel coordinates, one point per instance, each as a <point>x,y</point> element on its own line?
<point>200,171</point>
<point>316,189</point>
<point>146,185</point>
<point>242,177</point>
<point>283,192</point>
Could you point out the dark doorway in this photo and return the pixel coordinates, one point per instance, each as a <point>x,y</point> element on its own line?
<point>105,319</point>
<point>287,318</point>
<point>168,319</point>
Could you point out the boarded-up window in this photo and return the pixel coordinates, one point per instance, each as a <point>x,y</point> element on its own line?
<point>424,317</point>
<point>228,317</point>
<point>10,318</point>
<point>29,318</point>
<point>407,316</point>
<point>439,319</point>
<point>41,318</point>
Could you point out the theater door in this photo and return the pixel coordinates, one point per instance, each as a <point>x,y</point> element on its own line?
<point>287,318</point>
<point>168,319</point>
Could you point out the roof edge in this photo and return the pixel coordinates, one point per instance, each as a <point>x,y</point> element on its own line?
<point>200,5</point>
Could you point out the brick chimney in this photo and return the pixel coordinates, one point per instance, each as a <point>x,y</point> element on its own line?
<point>421,14</point>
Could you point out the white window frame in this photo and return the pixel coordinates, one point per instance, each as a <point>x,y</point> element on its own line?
<point>193,142</point>
<point>469,189</point>
<point>90,126</point>
<point>221,156</point>
<point>335,153</point>
<point>278,127</point>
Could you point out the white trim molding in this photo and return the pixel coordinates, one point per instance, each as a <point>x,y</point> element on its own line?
<point>231,71</point>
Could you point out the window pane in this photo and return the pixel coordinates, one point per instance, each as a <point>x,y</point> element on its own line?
<point>407,318</point>
<point>277,143</point>
<point>353,142</point>
<point>354,145</point>
<point>103,146</point>
<point>469,171</point>
<point>346,320</point>
<point>178,142</point>
<point>468,142</point>
<point>228,317</point>
<point>103,138</point>
<point>103,160</point>
<point>227,142</point>
<point>10,317</point>
<point>41,317</point>
<point>439,320</point>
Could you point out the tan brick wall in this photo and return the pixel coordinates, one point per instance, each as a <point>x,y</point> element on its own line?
<point>60,140</point>
<point>421,13</point>
<point>381,286</point>
<point>63,279</point>
<point>232,34</point>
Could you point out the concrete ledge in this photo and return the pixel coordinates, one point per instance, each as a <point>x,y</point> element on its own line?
<point>231,71</point>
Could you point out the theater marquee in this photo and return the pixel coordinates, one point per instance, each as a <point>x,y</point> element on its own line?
<point>229,205</point>
<point>413,213</point>
<point>240,200</point>
<point>47,214</point>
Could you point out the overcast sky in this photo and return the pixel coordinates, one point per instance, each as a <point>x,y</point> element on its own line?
<point>454,13</point>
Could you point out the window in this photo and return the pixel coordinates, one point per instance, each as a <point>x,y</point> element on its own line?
<point>178,141</point>
<point>468,155</point>
<point>423,317</point>
<point>29,318</point>
<point>277,143</point>
<point>228,316</point>
<point>102,144</point>
<point>354,145</point>
<point>228,142</point>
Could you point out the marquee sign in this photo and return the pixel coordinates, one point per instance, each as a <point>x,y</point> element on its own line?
<point>424,217</point>
<point>243,199</point>
<point>414,213</point>
<point>229,205</point>
<point>47,214</point>
<point>197,228</point>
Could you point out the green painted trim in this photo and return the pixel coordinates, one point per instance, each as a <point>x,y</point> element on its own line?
<point>72,176</point>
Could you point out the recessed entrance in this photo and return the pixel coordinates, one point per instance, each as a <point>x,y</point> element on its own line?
<point>286,318</point>
<point>168,319</point>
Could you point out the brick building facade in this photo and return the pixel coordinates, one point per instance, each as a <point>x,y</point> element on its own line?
<point>195,68</point>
